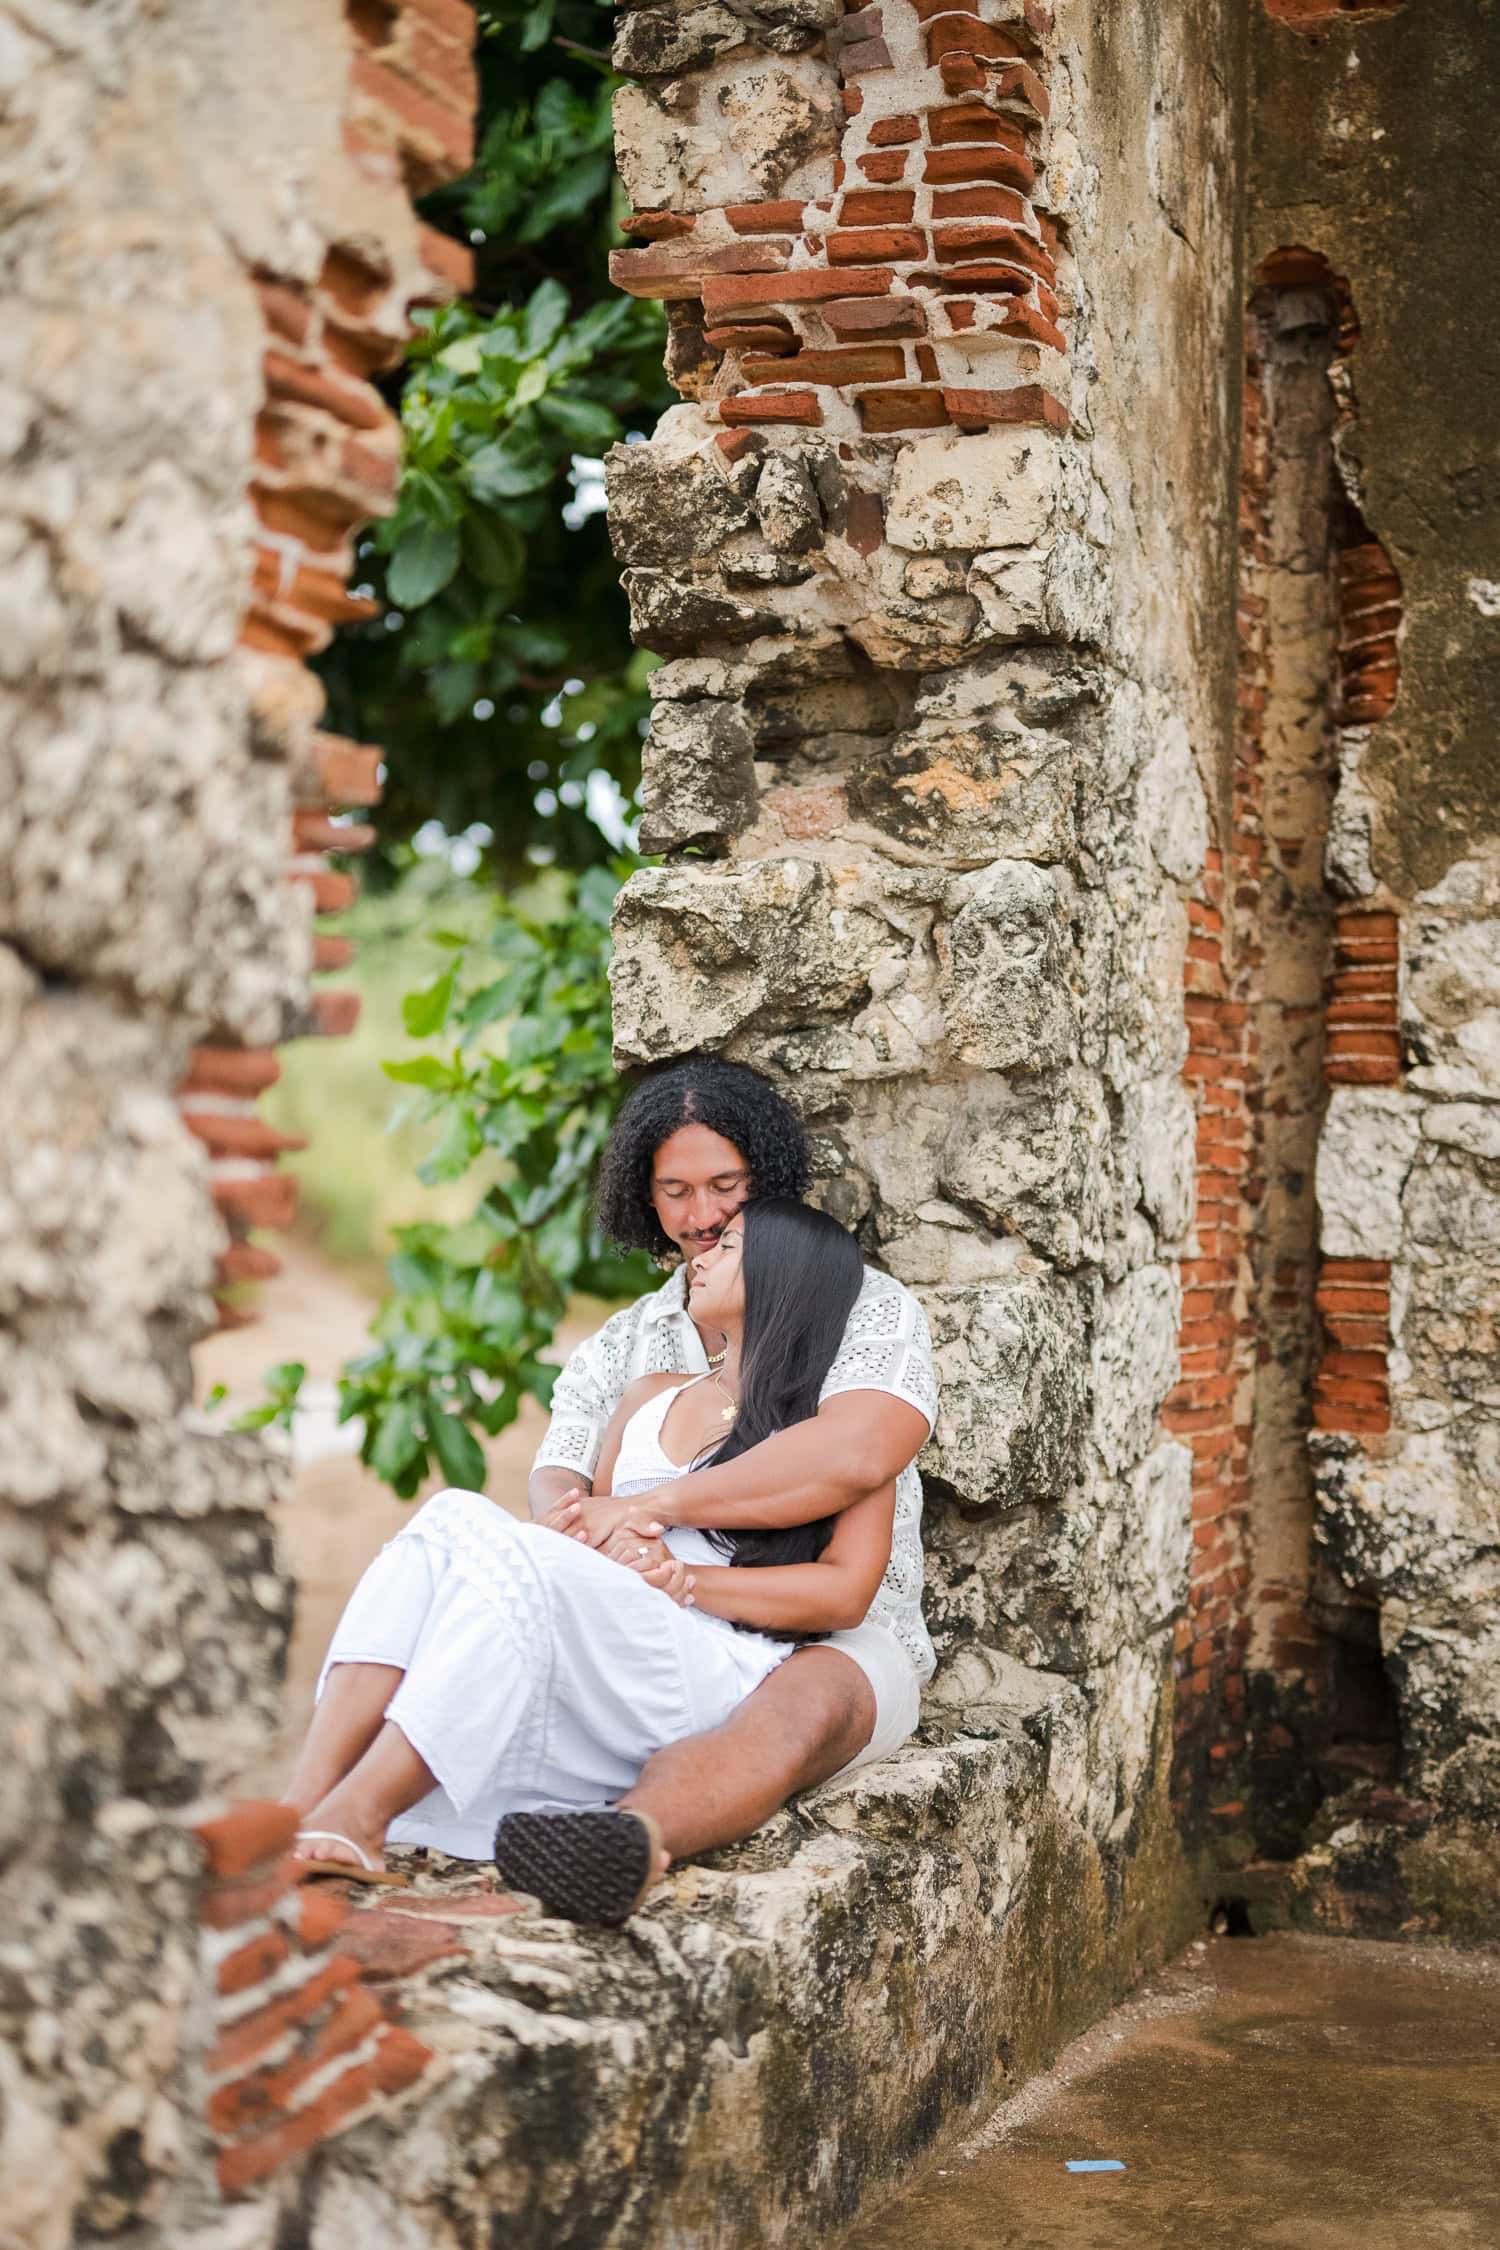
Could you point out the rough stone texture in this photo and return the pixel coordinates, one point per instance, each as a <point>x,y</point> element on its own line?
<point>945,704</point>
<point>1406,1568</point>
<point>155,159</point>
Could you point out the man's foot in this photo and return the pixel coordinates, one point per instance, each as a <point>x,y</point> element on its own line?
<point>583,1866</point>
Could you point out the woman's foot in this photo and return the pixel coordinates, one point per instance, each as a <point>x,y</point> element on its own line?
<point>340,1832</point>
<point>583,1866</point>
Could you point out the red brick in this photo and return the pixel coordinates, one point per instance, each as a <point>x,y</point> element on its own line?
<point>861,245</point>
<point>239,1261</point>
<point>1368,1421</point>
<point>269,1199</point>
<point>876,207</point>
<point>1026,403</point>
<point>765,218</point>
<point>388,1945</point>
<point>252,2036</point>
<point>348,772</point>
<point>320,1915</point>
<point>978,203</point>
<point>287,311</point>
<point>961,74</point>
<point>864,521</point>
<point>994,238</point>
<point>239,1136</point>
<point>966,35</point>
<point>1021,84</point>
<point>772,406</point>
<point>682,271</point>
<point>335,1011</point>
<point>315,830</point>
<point>721,291</point>
<point>449,263</point>
<point>886,132</point>
<point>864,56</point>
<point>246,2102</point>
<point>231,1070</point>
<point>400,2059</point>
<point>751,336</point>
<point>240,2167</point>
<point>246,1836</point>
<point>736,444</point>
<point>885,164</point>
<point>440,131</point>
<point>332,891</point>
<point>330,952</point>
<point>665,226</point>
<point>877,316</point>
<point>870,363</point>
<point>351,401</point>
<point>250,1964</point>
<point>968,123</point>
<point>881,411</point>
<point>945,166</point>
<point>1025,320</point>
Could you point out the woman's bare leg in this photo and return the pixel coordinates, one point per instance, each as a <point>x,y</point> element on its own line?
<point>348,1718</point>
<point>363,1803</point>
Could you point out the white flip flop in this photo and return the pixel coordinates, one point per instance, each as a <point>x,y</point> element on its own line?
<point>346,1870</point>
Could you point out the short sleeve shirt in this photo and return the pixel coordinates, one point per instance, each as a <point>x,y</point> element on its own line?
<point>886,1347</point>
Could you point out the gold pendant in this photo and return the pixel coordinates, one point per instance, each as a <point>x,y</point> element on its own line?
<point>727,1415</point>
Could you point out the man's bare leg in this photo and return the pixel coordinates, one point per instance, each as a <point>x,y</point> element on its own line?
<point>814,1713</point>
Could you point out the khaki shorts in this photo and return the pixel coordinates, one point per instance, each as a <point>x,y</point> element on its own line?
<point>898,1691</point>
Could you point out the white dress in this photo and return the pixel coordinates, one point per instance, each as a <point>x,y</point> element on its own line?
<point>537,1672</point>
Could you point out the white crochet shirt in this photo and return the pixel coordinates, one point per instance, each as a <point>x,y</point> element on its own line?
<point>886,1347</point>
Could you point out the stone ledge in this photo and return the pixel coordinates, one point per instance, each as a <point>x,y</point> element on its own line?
<point>790,2024</point>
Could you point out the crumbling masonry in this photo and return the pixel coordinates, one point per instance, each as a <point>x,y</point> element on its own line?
<point>1075,563</point>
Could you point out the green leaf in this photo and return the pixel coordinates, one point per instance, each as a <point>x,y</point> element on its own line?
<point>494,550</point>
<point>582,421</point>
<point>456,1147</point>
<point>546,310</point>
<point>422,1070</point>
<point>423,1013</point>
<point>459,1453</point>
<point>399,1445</point>
<point>507,469</point>
<point>423,564</point>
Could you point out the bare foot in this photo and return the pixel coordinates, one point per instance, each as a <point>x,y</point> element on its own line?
<point>339,1828</point>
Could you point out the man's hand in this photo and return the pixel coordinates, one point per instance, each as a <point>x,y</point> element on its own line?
<point>663,1569</point>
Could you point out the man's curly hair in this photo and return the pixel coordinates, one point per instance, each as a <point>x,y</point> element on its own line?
<point>730,1099</point>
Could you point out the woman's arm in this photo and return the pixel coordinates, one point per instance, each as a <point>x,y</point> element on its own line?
<point>825,1596</point>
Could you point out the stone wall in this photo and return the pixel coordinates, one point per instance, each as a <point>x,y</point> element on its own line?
<point>177,492</point>
<point>938,551</point>
<point>1375,1670</point>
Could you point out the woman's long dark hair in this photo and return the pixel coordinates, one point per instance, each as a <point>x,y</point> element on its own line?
<point>802,1273</point>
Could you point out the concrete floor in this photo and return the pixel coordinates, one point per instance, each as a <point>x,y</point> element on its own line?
<point>1283,2093</point>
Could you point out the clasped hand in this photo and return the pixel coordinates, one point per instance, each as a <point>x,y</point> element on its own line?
<point>627,1534</point>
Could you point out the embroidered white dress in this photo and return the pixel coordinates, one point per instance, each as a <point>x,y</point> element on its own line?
<point>537,1672</point>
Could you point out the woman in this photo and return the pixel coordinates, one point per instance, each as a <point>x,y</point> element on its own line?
<point>485,1668</point>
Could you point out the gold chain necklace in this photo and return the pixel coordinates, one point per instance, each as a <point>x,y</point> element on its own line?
<point>728,1413</point>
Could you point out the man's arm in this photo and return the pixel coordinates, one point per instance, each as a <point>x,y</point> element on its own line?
<point>581,1408</point>
<point>857,1443</point>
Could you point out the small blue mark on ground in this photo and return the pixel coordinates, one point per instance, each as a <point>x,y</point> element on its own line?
<point>1095,2164</point>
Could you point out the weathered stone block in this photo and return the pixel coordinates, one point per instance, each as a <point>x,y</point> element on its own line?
<point>1012,1372</point>
<point>1033,1158</point>
<point>697,776</point>
<point>701,958</point>
<point>1369,1139</point>
<point>947,491</point>
<point>1134,1362</point>
<point>966,796</point>
<point>1005,963</point>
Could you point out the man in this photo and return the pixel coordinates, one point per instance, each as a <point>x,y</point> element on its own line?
<point>691,1145</point>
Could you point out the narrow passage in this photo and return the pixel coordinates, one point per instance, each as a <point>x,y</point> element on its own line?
<point>1280,2093</point>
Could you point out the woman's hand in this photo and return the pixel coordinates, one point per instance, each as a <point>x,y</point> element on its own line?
<point>597,1518</point>
<point>664,1569</point>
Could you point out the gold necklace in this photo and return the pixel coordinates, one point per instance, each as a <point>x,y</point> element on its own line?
<point>728,1413</point>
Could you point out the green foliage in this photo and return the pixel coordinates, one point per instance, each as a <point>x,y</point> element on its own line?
<point>524,1076</point>
<point>283,1386</point>
<point>502,672</point>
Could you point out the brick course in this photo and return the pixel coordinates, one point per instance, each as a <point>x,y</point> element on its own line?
<point>327,454</point>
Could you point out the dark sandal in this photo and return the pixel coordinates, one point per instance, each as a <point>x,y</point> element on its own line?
<point>583,1866</point>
